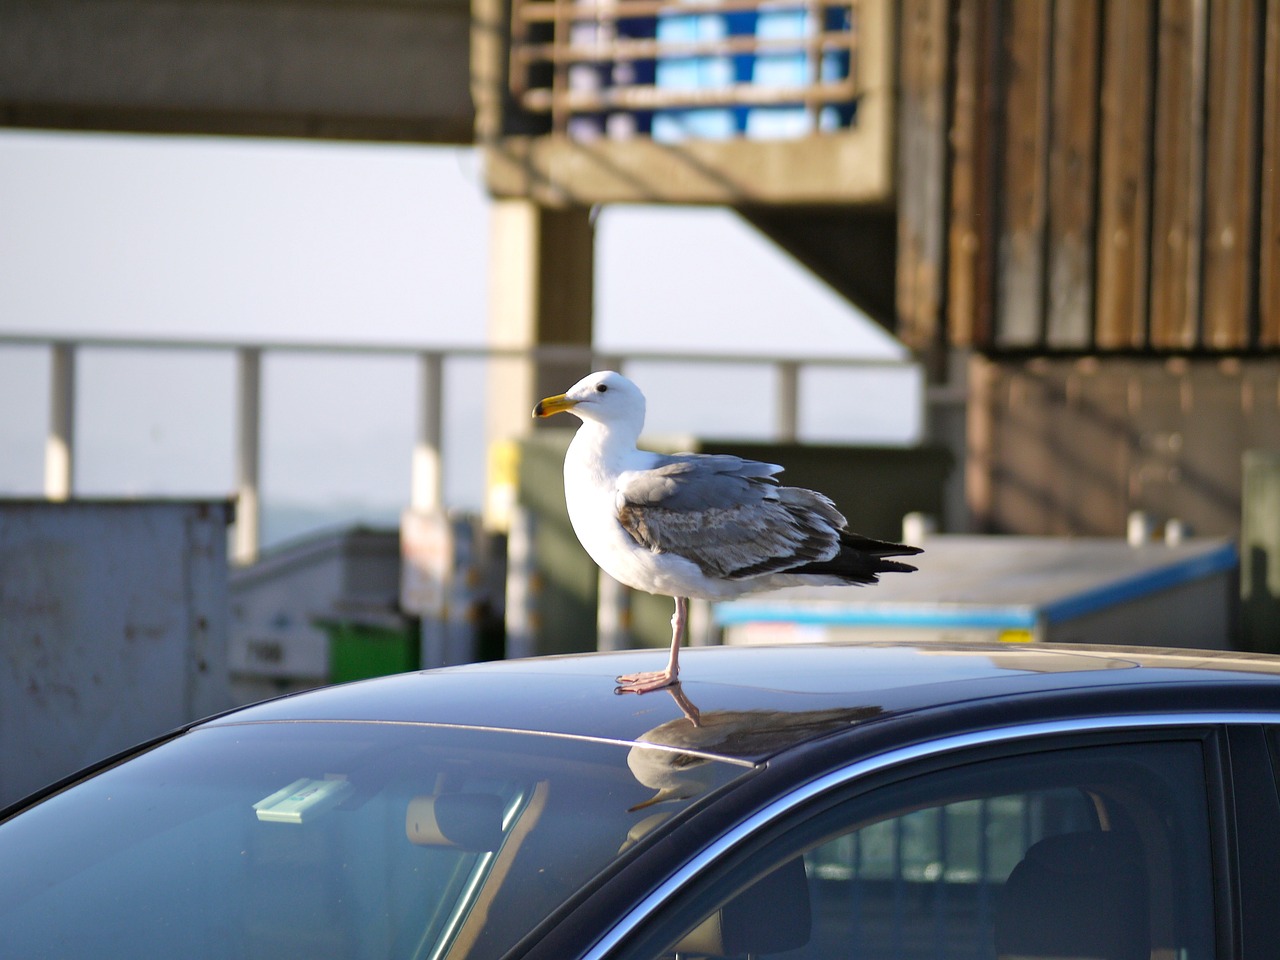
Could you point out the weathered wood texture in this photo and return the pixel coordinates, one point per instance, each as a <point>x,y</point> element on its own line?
<point>924,49</point>
<point>1234,91</point>
<point>1123,194</point>
<point>1072,446</point>
<point>1023,173</point>
<point>1269,242</point>
<point>1072,173</point>
<point>1124,175</point>
<point>975,141</point>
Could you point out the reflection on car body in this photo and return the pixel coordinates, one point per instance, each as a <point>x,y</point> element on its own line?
<point>869,801</point>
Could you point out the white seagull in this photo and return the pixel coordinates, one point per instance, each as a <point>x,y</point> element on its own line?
<point>695,525</point>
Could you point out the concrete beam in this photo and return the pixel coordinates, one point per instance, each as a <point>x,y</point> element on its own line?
<point>348,69</point>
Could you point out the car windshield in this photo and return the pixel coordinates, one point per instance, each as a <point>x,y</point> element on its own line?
<point>332,840</point>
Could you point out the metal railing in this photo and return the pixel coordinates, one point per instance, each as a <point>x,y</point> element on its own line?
<point>426,470</point>
<point>575,59</point>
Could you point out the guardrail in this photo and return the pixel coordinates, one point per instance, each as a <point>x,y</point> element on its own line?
<point>426,458</point>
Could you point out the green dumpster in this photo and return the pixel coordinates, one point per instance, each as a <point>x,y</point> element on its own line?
<point>371,647</point>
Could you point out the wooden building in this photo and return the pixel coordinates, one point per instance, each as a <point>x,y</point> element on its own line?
<point>1070,208</point>
<point>1104,242</point>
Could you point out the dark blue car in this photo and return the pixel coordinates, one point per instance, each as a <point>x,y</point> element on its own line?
<point>862,801</point>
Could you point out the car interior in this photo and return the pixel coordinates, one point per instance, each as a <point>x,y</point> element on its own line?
<point>1095,853</point>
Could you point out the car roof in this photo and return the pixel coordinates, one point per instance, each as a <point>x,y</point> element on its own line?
<point>750,703</point>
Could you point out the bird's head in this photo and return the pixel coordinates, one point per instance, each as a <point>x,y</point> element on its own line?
<point>606,397</point>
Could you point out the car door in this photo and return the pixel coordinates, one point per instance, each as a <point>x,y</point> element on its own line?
<point>1106,845</point>
<point>1252,805</point>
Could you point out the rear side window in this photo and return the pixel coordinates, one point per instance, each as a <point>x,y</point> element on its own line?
<point>1100,852</point>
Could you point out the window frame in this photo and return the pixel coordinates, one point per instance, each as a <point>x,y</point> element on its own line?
<point>1251,814</point>
<point>633,929</point>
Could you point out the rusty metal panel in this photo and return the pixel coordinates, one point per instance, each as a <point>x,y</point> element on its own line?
<point>1124,175</point>
<point>113,629</point>
<point>1231,168</point>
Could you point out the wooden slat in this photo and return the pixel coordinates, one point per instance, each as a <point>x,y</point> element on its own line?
<point>626,49</point>
<point>1178,194</point>
<point>1231,157</point>
<point>1269,246</point>
<point>1124,188</point>
<point>922,133</point>
<point>1020,299</point>
<point>975,135</point>
<point>1072,174</point>
<point>544,11</point>
<point>650,98</point>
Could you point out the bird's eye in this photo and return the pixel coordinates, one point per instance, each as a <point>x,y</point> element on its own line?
<point>602,387</point>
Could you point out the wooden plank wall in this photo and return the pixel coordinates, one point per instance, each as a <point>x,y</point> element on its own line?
<point>924,53</point>
<point>1113,178</point>
<point>1073,446</point>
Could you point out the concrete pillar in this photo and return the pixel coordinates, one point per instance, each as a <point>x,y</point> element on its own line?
<point>427,480</point>
<point>248,445</point>
<point>541,292</point>
<point>59,450</point>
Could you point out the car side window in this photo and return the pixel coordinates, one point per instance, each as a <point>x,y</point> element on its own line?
<point>1100,852</point>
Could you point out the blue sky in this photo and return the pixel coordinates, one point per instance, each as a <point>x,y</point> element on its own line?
<point>201,237</point>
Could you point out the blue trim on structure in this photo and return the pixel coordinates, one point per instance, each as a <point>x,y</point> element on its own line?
<point>987,617</point>
<point>1143,584</point>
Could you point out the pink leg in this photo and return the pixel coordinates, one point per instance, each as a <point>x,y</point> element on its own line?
<point>656,680</point>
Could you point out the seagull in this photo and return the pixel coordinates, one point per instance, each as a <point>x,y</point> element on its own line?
<point>689,525</point>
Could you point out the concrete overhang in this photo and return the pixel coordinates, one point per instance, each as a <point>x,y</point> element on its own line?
<point>395,70</point>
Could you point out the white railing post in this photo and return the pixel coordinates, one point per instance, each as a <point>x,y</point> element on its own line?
<point>613,614</point>
<point>248,444</point>
<point>787,413</point>
<point>427,483</point>
<point>59,448</point>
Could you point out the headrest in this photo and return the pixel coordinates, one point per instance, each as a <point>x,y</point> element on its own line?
<point>1076,895</point>
<point>770,916</point>
<point>467,821</point>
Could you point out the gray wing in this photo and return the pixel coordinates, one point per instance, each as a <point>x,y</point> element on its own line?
<point>727,515</point>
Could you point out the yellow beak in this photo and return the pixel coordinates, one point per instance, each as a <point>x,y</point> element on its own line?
<point>553,405</point>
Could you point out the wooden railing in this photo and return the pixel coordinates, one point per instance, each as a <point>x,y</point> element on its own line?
<point>634,67</point>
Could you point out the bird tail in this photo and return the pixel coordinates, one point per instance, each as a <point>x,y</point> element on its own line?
<point>861,559</point>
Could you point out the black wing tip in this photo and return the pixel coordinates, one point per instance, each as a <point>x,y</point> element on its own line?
<point>855,566</point>
<point>877,548</point>
<point>894,566</point>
